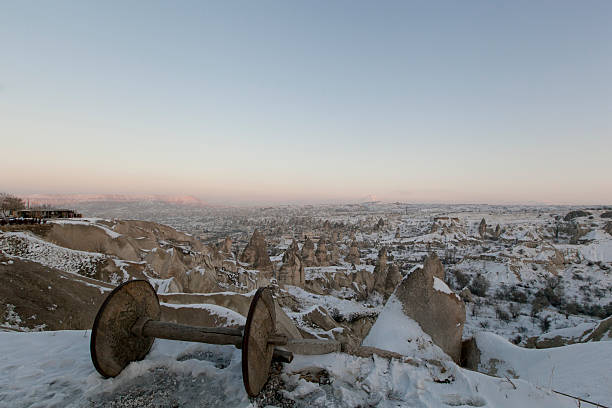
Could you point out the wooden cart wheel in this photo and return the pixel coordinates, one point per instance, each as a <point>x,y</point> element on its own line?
<point>256,352</point>
<point>113,345</point>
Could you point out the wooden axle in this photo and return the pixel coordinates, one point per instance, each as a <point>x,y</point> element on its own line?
<point>212,335</point>
<point>172,331</point>
<point>128,322</point>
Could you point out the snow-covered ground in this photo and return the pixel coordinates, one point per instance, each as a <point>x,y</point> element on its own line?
<point>534,247</point>
<point>582,370</point>
<point>53,369</point>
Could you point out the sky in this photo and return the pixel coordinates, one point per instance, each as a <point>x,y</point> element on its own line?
<point>312,101</point>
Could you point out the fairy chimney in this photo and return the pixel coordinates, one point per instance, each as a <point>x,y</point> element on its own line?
<point>292,270</point>
<point>308,253</point>
<point>434,306</point>
<point>353,255</point>
<point>482,228</point>
<point>256,252</point>
<point>321,253</point>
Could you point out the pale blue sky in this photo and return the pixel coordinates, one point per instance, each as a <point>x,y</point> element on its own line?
<point>458,101</point>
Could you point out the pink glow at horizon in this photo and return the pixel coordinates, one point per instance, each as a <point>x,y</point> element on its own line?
<point>244,188</point>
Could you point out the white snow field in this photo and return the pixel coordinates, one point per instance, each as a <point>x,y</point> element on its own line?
<point>581,369</point>
<point>53,369</point>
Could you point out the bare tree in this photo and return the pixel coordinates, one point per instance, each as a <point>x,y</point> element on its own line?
<point>10,202</point>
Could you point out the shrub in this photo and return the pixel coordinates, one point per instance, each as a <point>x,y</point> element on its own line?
<point>462,279</point>
<point>539,303</point>
<point>502,292</point>
<point>502,315</point>
<point>545,324</point>
<point>517,295</point>
<point>336,315</point>
<point>552,291</point>
<point>515,310</point>
<point>479,285</point>
<point>513,293</point>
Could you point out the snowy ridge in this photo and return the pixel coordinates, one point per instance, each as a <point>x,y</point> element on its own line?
<point>90,222</point>
<point>29,247</point>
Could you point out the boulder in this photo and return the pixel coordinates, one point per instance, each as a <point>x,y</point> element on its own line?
<point>466,295</point>
<point>608,228</point>
<point>179,305</point>
<point>318,316</point>
<point>256,253</point>
<point>607,214</point>
<point>438,310</point>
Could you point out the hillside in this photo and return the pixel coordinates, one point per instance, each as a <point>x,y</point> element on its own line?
<point>374,275</point>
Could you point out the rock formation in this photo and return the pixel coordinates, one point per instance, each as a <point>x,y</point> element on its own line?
<point>327,226</point>
<point>292,270</point>
<point>497,231</point>
<point>335,236</point>
<point>256,253</point>
<point>607,214</point>
<point>308,253</point>
<point>394,277</point>
<point>334,254</point>
<point>321,253</point>
<point>380,271</point>
<point>439,311</point>
<point>575,214</point>
<point>386,276</point>
<point>482,228</point>
<point>432,263</point>
<point>226,246</point>
<point>608,228</point>
<point>596,331</point>
<point>353,255</point>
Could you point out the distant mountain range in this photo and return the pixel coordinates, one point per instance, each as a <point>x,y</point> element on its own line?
<point>68,199</point>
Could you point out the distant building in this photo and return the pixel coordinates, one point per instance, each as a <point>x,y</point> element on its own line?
<point>443,218</point>
<point>44,213</point>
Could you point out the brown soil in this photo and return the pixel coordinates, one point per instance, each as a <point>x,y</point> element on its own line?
<point>42,295</point>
